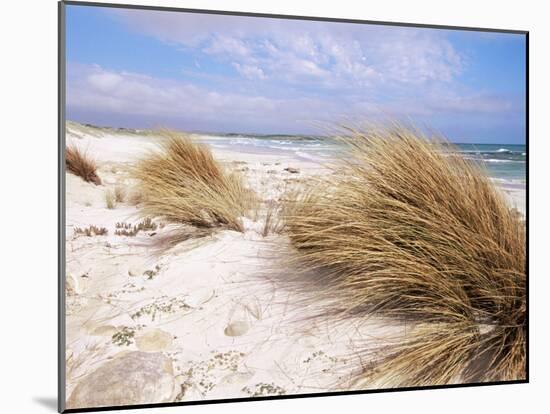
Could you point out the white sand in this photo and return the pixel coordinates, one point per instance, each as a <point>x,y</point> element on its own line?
<point>205,303</point>
<point>229,331</point>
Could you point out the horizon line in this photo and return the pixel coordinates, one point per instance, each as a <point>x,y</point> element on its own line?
<point>258,134</point>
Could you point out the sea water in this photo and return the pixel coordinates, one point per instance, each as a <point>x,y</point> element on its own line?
<point>505,163</point>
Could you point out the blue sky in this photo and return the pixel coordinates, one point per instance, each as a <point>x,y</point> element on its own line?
<point>145,69</point>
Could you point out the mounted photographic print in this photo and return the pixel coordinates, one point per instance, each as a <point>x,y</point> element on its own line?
<point>260,206</point>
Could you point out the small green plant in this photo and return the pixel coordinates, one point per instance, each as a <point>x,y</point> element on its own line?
<point>166,306</point>
<point>152,273</point>
<point>263,389</point>
<point>124,337</point>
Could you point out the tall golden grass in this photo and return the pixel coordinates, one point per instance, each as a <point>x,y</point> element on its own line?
<point>79,163</point>
<point>406,229</point>
<point>182,183</point>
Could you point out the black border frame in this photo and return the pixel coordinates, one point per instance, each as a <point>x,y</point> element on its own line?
<point>61,202</point>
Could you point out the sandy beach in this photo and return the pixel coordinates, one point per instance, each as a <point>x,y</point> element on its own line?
<point>205,307</point>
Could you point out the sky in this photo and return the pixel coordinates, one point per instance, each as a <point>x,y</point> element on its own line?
<point>217,73</point>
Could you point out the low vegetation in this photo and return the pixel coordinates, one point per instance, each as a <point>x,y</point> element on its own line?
<point>120,194</point>
<point>110,199</point>
<point>80,164</point>
<point>91,231</point>
<point>272,222</point>
<point>127,229</point>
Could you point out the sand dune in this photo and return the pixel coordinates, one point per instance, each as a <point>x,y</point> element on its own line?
<point>206,305</point>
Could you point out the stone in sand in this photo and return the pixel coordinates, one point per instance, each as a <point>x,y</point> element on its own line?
<point>154,340</point>
<point>236,328</point>
<point>130,378</point>
<point>292,170</point>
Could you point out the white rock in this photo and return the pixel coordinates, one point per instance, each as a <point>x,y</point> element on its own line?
<point>130,378</point>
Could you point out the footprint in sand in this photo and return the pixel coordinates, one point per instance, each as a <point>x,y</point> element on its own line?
<point>154,340</point>
<point>236,328</point>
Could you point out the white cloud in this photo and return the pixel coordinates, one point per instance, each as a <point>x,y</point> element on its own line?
<point>192,107</point>
<point>249,71</point>
<point>284,76</point>
<point>227,46</point>
<point>475,104</point>
<point>104,81</point>
<point>94,90</point>
<point>343,55</point>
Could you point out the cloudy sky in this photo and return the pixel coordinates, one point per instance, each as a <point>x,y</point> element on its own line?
<point>143,69</point>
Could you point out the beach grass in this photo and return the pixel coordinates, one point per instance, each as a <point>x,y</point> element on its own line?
<point>406,229</point>
<point>120,194</point>
<point>272,222</point>
<point>182,183</point>
<point>110,199</point>
<point>80,164</point>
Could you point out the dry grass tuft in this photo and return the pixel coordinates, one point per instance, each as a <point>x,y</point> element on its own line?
<point>91,231</point>
<point>134,197</point>
<point>80,164</point>
<point>272,222</point>
<point>120,194</point>
<point>110,199</point>
<point>408,230</point>
<point>184,184</point>
<point>127,229</point>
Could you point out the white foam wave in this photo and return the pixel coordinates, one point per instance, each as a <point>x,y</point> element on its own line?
<point>492,160</point>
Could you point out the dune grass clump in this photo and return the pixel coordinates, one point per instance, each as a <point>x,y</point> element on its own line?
<point>79,163</point>
<point>120,194</point>
<point>272,223</point>
<point>408,230</point>
<point>110,199</point>
<point>182,183</point>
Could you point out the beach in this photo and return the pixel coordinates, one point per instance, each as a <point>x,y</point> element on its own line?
<point>206,308</point>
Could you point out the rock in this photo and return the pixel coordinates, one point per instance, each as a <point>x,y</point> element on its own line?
<point>236,328</point>
<point>154,340</point>
<point>292,170</point>
<point>130,378</point>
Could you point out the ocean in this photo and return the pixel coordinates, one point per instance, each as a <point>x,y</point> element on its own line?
<point>505,163</point>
